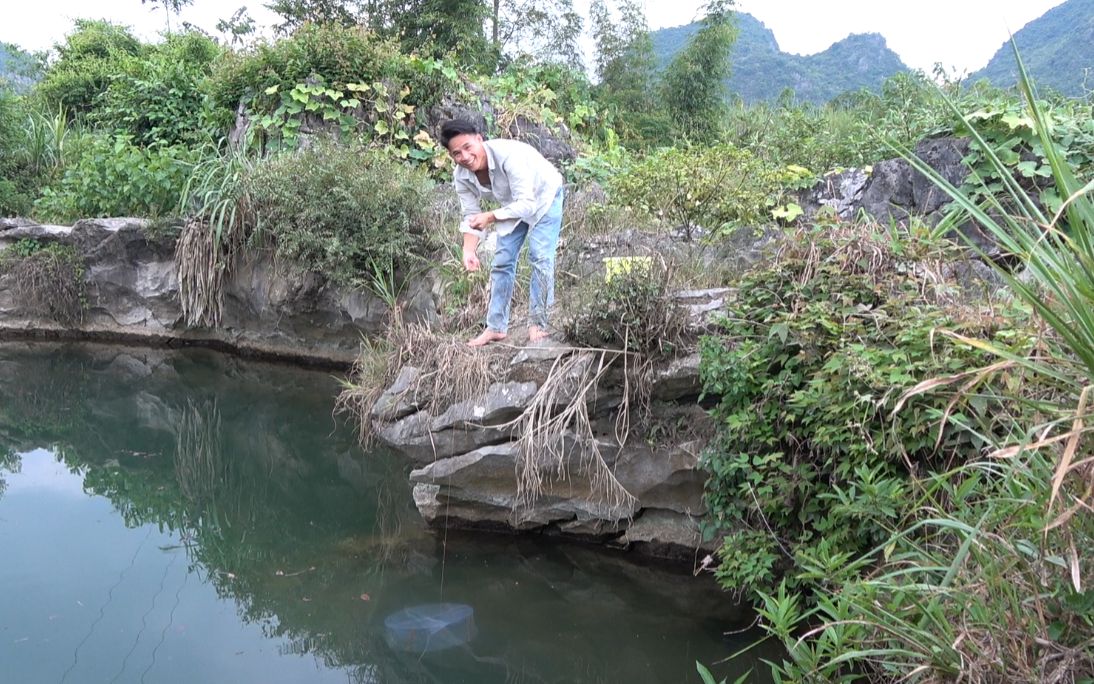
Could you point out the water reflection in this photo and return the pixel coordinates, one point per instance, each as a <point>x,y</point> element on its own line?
<point>234,479</point>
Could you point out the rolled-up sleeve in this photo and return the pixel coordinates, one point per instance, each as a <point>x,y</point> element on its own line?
<point>469,206</point>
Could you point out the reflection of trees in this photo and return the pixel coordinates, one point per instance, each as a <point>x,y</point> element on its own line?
<point>284,516</point>
<point>9,463</point>
<point>243,463</point>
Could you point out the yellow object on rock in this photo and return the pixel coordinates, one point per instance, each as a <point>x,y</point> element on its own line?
<point>614,266</point>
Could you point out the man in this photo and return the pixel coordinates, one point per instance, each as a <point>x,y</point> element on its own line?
<point>529,190</point>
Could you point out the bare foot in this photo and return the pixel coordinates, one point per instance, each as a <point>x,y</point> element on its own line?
<point>486,337</point>
<point>536,333</point>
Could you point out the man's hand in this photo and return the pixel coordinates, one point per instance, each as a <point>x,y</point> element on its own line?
<point>483,220</point>
<point>470,251</point>
<point>470,260</point>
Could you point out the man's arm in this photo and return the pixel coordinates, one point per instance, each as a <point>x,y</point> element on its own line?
<point>470,251</point>
<point>469,207</point>
<point>471,224</point>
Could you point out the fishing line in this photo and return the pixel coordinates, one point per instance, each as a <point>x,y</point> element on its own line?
<point>102,608</point>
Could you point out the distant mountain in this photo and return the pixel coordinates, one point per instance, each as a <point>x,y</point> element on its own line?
<point>761,71</point>
<point>19,68</point>
<point>1056,48</point>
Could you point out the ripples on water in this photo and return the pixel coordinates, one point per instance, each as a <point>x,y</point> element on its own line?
<point>191,517</point>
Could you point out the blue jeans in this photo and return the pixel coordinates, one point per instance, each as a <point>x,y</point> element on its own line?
<point>542,245</point>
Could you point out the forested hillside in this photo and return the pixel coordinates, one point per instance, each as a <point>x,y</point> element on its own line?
<point>17,67</point>
<point>1058,49</point>
<point>761,71</point>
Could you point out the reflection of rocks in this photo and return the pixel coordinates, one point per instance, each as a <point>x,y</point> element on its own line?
<point>133,294</point>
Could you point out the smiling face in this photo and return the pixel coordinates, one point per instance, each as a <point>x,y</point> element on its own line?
<point>468,151</point>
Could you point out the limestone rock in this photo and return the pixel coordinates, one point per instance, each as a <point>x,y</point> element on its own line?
<point>401,399</point>
<point>133,293</point>
<point>664,478</point>
<point>665,533</point>
<point>502,402</point>
<point>679,379</point>
<point>413,437</point>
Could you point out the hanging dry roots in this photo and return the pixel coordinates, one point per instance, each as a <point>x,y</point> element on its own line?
<point>201,270</point>
<point>553,440</point>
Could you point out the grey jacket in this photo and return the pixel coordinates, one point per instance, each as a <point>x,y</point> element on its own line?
<point>522,181</point>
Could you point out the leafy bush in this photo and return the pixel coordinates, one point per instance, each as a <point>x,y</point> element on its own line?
<point>336,55</point>
<point>1005,130</point>
<point>87,60</point>
<point>47,280</point>
<point>110,176</point>
<point>810,461</point>
<point>818,138</point>
<point>157,98</point>
<point>633,311</point>
<point>15,190</point>
<point>549,94</point>
<point>980,576</point>
<point>712,187</point>
<point>347,212</point>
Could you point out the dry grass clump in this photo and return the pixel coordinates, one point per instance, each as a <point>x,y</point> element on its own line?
<point>47,281</point>
<point>633,310</point>
<point>890,258</point>
<point>448,372</point>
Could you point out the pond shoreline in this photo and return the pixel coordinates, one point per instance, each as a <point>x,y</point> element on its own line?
<point>135,340</point>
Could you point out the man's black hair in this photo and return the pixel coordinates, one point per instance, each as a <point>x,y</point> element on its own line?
<point>450,129</point>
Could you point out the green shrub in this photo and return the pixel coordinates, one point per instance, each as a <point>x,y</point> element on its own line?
<point>336,55</point>
<point>15,182</point>
<point>549,94</point>
<point>157,97</point>
<point>88,58</point>
<point>713,187</point>
<point>813,357</point>
<point>818,138</point>
<point>981,577</point>
<point>633,311</point>
<point>110,176</point>
<point>347,212</point>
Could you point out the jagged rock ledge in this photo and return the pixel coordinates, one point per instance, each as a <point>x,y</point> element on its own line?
<point>133,297</point>
<point>468,454</point>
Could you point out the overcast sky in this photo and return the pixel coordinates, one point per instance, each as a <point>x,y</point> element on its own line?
<point>961,34</point>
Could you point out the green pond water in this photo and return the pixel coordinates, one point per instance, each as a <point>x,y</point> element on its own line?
<point>184,516</point>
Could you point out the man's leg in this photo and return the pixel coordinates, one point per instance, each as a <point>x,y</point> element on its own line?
<point>503,275</point>
<point>543,245</point>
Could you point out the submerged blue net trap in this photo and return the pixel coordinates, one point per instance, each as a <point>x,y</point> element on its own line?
<point>430,627</point>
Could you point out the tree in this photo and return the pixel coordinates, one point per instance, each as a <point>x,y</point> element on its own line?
<point>238,26</point>
<point>169,6</point>
<point>299,12</point>
<point>547,30</point>
<point>443,27</point>
<point>427,27</point>
<point>625,68</point>
<point>86,61</point>
<point>693,88</point>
